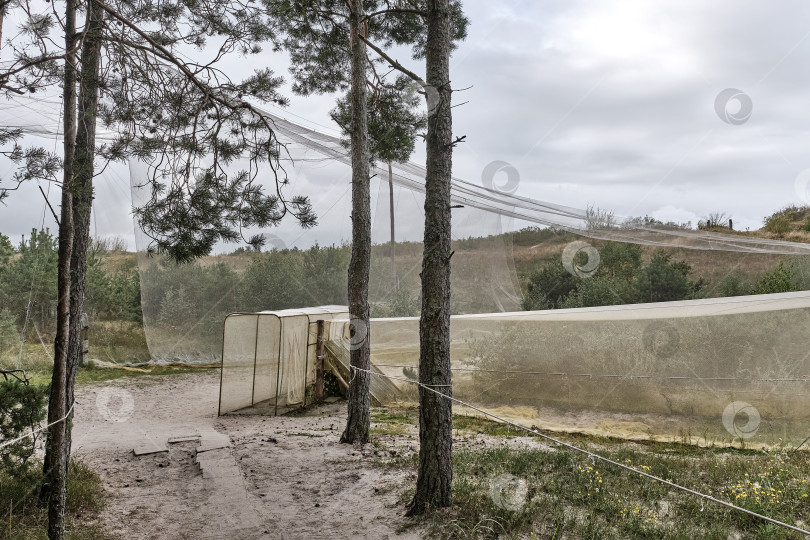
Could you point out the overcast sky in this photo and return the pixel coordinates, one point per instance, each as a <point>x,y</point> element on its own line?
<point>609,103</point>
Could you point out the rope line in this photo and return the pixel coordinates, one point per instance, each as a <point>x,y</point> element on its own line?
<point>611,376</point>
<point>35,431</point>
<point>601,458</point>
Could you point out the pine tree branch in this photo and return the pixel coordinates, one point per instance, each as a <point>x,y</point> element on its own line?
<point>396,10</point>
<point>393,62</point>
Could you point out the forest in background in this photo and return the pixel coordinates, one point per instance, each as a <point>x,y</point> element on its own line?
<point>193,299</point>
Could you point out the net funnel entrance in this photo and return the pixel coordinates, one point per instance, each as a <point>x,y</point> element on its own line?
<point>710,372</point>
<point>268,358</point>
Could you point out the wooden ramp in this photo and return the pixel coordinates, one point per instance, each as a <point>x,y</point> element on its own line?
<point>382,390</point>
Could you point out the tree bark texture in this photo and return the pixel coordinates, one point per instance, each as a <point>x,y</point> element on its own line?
<point>358,421</point>
<point>54,483</point>
<point>435,477</point>
<point>84,171</point>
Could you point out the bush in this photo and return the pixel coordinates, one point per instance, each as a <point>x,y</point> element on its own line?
<point>621,278</point>
<point>400,304</point>
<point>22,408</point>
<point>780,279</point>
<point>662,280</point>
<point>31,278</point>
<point>549,286</point>
<point>732,285</point>
<point>778,224</point>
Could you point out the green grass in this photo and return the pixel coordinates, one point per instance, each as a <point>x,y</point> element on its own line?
<point>554,493</point>
<point>24,518</point>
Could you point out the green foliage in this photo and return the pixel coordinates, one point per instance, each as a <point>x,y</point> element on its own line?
<point>6,248</point>
<point>619,260</point>
<point>25,519</point>
<point>651,222</point>
<point>22,408</point>
<point>532,236</point>
<point>9,335</point>
<point>316,35</point>
<point>663,280</point>
<point>621,278</point>
<point>190,123</point>
<point>393,120</point>
<point>791,212</point>
<point>778,224</point>
<point>400,304</point>
<point>186,221</point>
<point>787,219</point>
<point>780,279</point>
<point>293,278</point>
<point>193,299</point>
<point>732,285</point>
<point>31,277</point>
<point>549,287</point>
<point>509,492</point>
<point>599,291</point>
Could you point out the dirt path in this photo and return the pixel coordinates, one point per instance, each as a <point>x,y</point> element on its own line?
<point>237,477</point>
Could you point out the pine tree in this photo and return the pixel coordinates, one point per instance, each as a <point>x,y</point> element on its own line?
<point>187,119</point>
<point>319,37</point>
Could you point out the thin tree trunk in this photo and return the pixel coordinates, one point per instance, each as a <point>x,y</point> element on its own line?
<point>435,477</point>
<point>54,487</point>
<point>358,422</point>
<point>3,5</point>
<point>82,197</point>
<point>393,236</point>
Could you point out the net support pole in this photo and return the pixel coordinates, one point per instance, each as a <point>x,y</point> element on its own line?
<point>278,364</point>
<point>393,236</point>
<point>319,345</point>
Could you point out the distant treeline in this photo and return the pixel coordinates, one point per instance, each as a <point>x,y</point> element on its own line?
<point>28,279</point>
<point>192,300</point>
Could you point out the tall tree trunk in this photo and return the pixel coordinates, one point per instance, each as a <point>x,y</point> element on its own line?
<point>82,197</point>
<point>54,486</point>
<point>434,482</point>
<point>358,422</point>
<point>393,236</point>
<point>3,5</point>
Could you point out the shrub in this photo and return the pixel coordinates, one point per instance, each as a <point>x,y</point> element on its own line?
<point>732,285</point>
<point>778,224</point>
<point>780,279</point>
<point>549,286</point>
<point>22,408</point>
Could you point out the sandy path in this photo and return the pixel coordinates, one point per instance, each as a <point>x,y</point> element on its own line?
<point>264,477</point>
